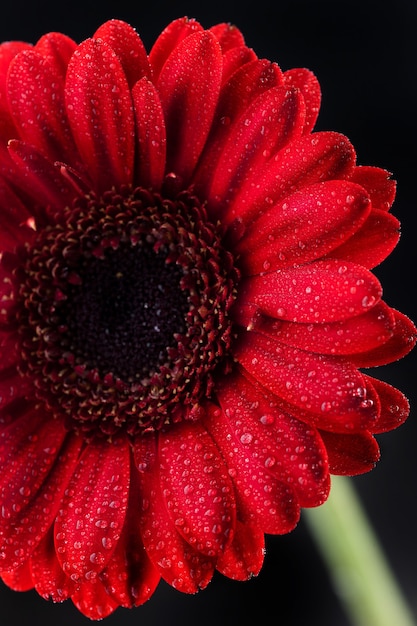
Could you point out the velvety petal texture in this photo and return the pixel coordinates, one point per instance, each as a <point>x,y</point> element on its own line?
<point>187,311</point>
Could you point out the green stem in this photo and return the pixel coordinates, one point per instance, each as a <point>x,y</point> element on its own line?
<point>358,568</point>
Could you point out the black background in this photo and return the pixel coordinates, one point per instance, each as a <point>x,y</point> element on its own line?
<point>363,53</point>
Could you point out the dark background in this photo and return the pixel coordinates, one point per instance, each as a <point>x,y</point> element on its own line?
<point>364,55</point>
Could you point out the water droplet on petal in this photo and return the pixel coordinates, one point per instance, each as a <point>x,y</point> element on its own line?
<point>246,438</point>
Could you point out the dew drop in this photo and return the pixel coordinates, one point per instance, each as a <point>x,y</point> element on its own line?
<point>267,419</point>
<point>107,543</point>
<point>246,438</point>
<point>368,301</point>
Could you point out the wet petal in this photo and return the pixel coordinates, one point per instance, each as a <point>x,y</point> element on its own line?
<point>128,46</point>
<point>244,556</point>
<point>402,341</point>
<point>236,96</point>
<point>36,98</point>
<point>350,455</point>
<point>56,49</point>
<point>150,135</point>
<point>395,407</point>
<point>92,514</point>
<point>32,483</point>
<point>262,499</point>
<point>234,59</point>
<point>228,36</point>
<point>323,291</point>
<point>329,389</point>
<point>176,561</point>
<point>100,112</point>
<point>307,83</point>
<point>139,579</point>
<point>19,579</point>
<point>311,159</point>
<point>350,336</point>
<point>8,50</point>
<point>189,91</point>
<point>48,576</point>
<point>284,446</point>
<point>274,119</point>
<point>40,179</point>
<point>169,39</point>
<point>304,226</point>
<point>93,601</point>
<point>197,488</point>
<point>378,183</point>
<point>373,242</point>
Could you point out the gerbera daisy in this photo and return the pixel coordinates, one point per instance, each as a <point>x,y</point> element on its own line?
<point>186,303</point>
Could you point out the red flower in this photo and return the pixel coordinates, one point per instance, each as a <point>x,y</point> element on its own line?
<point>186,300</point>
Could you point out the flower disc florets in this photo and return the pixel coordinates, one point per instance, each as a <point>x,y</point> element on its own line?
<point>123,310</point>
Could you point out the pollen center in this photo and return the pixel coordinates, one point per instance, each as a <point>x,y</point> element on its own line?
<point>122,307</point>
<point>126,311</point>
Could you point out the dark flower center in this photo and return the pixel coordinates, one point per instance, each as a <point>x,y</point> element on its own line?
<point>122,305</point>
<point>126,311</point>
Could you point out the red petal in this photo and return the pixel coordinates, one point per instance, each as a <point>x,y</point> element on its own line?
<point>41,180</point>
<point>244,557</point>
<point>401,343</point>
<point>356,334</point>
<point>8,50</point>
<point>93,601</point>
<point>395,407</point>
<point>150,133</point>
<point>36,97</point>
<point>19,579</point>
<point>236,96</point>
<point>373,242</point>
<point>128,46</point>
<point>305,226</point>
<point>91,517</point>
<point>274,119</point>
<point>311,159</point>
<point>37,466</point>
<point>189,91</point>
<point>378,183</point>
<point>323,291</point>
<point>13,215</point>
<point>48,576</point>
<point>234,59</point>
<point>129,577</point>
<point>350,455</point>
<point>307,83</point>
<point>263,500</point>
<point>228,36</point>
<point>99,108</point>
<point>169,39</point>
<point>12,386</point>
<point>196,488</point>
<point>330,387</point>
<point>57,49</point>
<point>10,353</point>
<point>287,448</point>
<point>177,562</point>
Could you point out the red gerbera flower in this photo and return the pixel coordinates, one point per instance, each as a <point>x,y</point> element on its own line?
<point>186,300</point>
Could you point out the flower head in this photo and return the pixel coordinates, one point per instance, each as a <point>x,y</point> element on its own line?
<point>187,302</point>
